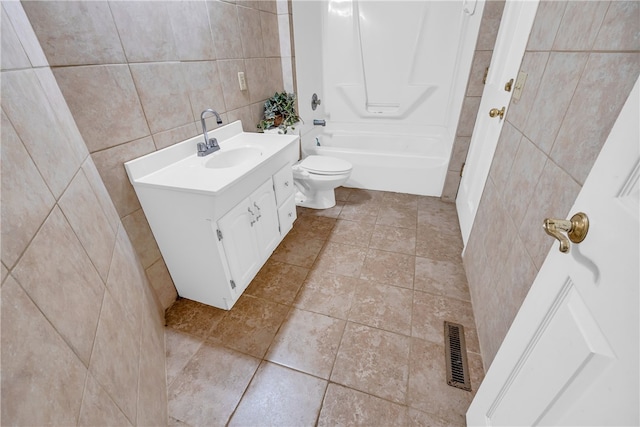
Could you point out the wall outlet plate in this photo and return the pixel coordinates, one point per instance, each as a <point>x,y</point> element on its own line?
<point>242,81</point>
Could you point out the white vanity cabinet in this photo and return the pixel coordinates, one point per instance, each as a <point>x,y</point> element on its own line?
<point>249,233</point>
<point>218,218</point>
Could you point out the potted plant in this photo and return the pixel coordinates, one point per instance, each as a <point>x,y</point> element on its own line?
<point>280,113</point>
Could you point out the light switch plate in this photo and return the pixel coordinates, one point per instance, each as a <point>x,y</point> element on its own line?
<point>517,88</point>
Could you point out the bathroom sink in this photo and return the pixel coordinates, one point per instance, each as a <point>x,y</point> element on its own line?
<point>241,156</point>
<point>232,157</point>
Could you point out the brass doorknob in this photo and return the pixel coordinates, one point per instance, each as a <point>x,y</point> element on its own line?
<point>495,112</point>
<point>576,229</point>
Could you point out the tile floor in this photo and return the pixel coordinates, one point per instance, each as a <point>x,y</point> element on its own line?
<point>342,326</point>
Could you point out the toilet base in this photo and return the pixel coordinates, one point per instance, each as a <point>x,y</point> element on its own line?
<point>321,199</point>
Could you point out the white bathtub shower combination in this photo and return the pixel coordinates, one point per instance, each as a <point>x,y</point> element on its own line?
<point>402,161</point>
<point>391,76</point>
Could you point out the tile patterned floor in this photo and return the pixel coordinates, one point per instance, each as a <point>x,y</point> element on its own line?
<point>342,326</point>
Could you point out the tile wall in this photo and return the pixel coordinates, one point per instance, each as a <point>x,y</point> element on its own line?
<point>82,331</point>
<point>582,60</point>
<point>481,59</point>
<point>137,75</point>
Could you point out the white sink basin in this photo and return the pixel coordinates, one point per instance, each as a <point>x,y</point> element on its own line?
<point>232,157</point>
<point>178,167</point>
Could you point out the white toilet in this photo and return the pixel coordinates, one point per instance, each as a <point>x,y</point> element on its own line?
<point>316,178</point>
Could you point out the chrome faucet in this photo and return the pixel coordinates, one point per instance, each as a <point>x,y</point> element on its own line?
<point>209,145</point>
<point>317,122</point>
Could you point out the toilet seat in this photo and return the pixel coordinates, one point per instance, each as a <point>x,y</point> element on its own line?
<point>323,165</point>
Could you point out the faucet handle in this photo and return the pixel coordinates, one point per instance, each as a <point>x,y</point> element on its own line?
<point>213,142</point>
<point>201,147</point>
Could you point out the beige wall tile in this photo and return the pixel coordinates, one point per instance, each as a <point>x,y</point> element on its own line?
<point>451,184</point>
<point>247,116</point>
<point>25,33</point>
<point>545,25</point>
<point>253,4</point>
<point>66,122</point>
<point>603,88</point>
<point>4,273</point>
<point>24,99</point>
<point>275,73</point>
<point>141,237</point>
<point>257,79</point>
<point>533,63</point>
<point>559,82</point>
<point>104,104</point>
<point>26,200</point>
<point>100,191</point>
<point>98,408</point>
<point>459,153</point>
<point>505,152</point>
<point>204,87</point>
<point>126,279</point>
<point>553,196</point>
<point>489,26</point>
<point>468,116</point>
<point>110,164</point>
<point>162,284</point>
<point>190,23</point>
<point>580,25</point>
<point>270,36</point>
<point>268,6</point>
<point>619,30</point>
<point>225,29</point>
<point>250,32</point>
<point>42,379</point>
<point>59,277</point>
<point>13,54</point>
<point>152,388</point>
<point>525,172</point>
<point>172,136</point>
<point>233,97</point>
<point>76,34</point>
<point>114,362</point>
<point>85,215</point>
<point>145,30</point>
<point>481,61</point>
<point>163,93</point>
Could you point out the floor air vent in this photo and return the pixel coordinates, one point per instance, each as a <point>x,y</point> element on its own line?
<point>456,356</point>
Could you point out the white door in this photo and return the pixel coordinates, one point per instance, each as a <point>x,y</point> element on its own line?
<point>511,42</point>
<point>571,355</point>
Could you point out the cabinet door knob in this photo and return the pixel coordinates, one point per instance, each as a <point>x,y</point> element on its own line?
<point>286,183</point>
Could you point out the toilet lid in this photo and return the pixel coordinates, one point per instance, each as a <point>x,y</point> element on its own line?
<point>324,165</point>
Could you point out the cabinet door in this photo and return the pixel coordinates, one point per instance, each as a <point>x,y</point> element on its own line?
<point>287,215</point>
<point>283,184</point>
<point>263,203</point>
<point>239,242</point>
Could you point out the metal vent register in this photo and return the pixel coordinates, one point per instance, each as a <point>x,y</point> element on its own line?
<point>456,356</point>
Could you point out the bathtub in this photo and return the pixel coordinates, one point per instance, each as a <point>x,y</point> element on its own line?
<point>408,161</point>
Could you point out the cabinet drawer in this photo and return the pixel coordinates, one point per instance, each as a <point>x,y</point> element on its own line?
<point>283,184</point>
<point>287,214</point>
